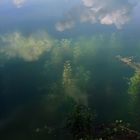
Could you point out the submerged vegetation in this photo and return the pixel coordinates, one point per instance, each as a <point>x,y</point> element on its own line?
<point>69,69</point>
<point>81,72</point>
<point>133,88</point>
<point>81,124</point>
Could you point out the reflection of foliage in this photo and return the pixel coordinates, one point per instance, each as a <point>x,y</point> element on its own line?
<point>61,52</point>
<point>66,77</point>
<point>80,123</point>
<point>82,77</point>
<point>75,83</point>
<point>129,61</point>
<point>85,49</point>
<point>134,87</point>
<point>118,130</point>
<point>88,49</point>
<point>134,91</point>
<point>67,74</point>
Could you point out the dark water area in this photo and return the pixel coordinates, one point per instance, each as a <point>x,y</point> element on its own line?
<point>25,85</point>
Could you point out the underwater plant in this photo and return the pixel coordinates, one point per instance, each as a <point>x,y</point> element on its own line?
<point>80,123</point>
<point>134,86</point>
<point>134,81</point>
<point>74,83</point>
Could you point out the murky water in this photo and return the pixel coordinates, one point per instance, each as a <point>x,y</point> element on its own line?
<point>54,55</point>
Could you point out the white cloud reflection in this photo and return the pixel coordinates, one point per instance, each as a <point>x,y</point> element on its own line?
<point>19,3</point>
<point>108,12</point>
<point>15,45</point>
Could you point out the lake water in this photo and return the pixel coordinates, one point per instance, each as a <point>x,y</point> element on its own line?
<point>54,55</point>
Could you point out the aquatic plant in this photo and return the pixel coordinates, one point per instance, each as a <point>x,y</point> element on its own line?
<point>80,123</point>
<point>67,74</point>
<point>129,61</point>
<point>134,92</point>
<point>134,81</point>
<point>134,86</point>
<point>75,82</point>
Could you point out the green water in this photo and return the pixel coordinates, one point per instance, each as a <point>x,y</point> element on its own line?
<point>33,97</point>
<point>45,72</point>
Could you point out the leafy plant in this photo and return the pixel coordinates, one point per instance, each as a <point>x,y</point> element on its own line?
<point>80,123</point>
